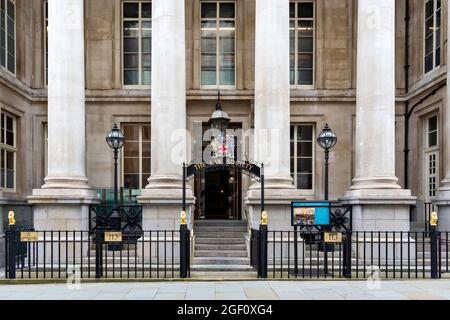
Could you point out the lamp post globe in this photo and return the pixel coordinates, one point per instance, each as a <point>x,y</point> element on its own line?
<point>327,140</point>
<point>115,140</point>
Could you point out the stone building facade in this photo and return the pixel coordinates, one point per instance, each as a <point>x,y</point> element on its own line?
<point>374,71</point>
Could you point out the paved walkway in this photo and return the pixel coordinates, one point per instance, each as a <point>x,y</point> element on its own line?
<point>239,290</point>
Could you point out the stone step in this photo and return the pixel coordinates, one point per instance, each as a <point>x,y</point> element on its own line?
<point>222,234</point>
<point>221,261</point>
<point>242,229</point>
<point>219,223</point>
<point>220,247</point>
<point>224,275</point>
<point>204,240</point>
<point>222,253</point>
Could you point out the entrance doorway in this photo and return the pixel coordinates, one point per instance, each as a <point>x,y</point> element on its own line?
<point>219,192</point>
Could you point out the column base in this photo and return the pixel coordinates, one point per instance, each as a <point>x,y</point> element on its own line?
<point>380,209</point>
<point>442,201</point>
<point>161,208</point>
<point>277,204</point>
<point>62,209</point>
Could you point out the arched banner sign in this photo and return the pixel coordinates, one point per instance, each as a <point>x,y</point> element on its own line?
<point>253,170</point>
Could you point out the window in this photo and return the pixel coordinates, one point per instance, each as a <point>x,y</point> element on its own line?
<point>137,43</point>
<point>302,156</point>
<point>8,152</point>
<point>432,35</point>
<point>46,41</point>
<point>301,30</point>
<point>218,43</point>
<point>432,157</point>
<point>136,156</point>
<point>8,35</point>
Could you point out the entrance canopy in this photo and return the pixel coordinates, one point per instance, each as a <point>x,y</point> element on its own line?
<point>251,169</point>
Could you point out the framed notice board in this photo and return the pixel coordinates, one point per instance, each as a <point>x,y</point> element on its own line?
<point>310,213</point>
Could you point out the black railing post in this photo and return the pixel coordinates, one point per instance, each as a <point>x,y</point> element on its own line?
<point>262,272</point>
<point>184,247</point>
<point>434,251</point>
<point>12,241</point>
<point>348,254</point>
<point>98,254</point>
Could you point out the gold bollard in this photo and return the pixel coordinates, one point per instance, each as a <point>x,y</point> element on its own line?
<point>183,218</point>
<point>264,218</point>
<point>434,219</point>
<point>11,219</point>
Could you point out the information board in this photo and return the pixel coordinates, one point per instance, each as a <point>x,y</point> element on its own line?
<point>307,213</point>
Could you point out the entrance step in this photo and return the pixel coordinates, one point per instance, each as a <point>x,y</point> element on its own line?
<point>220,247</point>
<point>221,261</point>
<point>221,253</point>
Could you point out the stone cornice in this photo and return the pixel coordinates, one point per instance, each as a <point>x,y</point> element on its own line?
<point>143,95</point>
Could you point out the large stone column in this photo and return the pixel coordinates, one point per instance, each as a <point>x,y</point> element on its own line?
<point>272,112</point>
<point>62,201</point>
<point>162,196</point>
<point>443,197</point>
<point>378,201</point>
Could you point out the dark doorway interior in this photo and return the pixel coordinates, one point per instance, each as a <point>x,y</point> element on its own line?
<point>219,193</point>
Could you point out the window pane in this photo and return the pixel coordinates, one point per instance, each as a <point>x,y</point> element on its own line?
<point>9,123</point>
<point>131,133</point>
<point>429,44</point>
<point>429,10</point>
<point>305,28</point>
<point>146,60</point>
<point>432,124</point>
<point>305,149</point>
<point>209,10</point>
<point>131,45</point>
<point>146,77</point>
<point>304,165</point>
<point>146,45</point>
<point>130,28</point>
<point>306,10</point>
<point>429,62</point>
<point>131,181</point>
<point>11,64</point>
<point>305,77</point>
<point>146,10</point>
<point>292,10</point>
<point>146,165</point>
<point>147,29</point>
<point>131,165</point>
<point>10,179</point>
<point>432,139</point>
<point>304,181</point>
<point>146,149</point>
<point>305,60</point>
<point>305,45</point>
<point>146,133</point>
<point>227,10</point>
<point>131,10</point>
<point>131,61</point>
<point>305,133</point>
<point>131,77</point>
<point>10,138</point>
<point>10,160</point>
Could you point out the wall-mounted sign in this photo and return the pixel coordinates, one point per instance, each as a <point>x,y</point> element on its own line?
<point>332,237</point>
<point>305,213</point>
<point>28,236</point>
<point>217,165</point>
<point>113,236</point>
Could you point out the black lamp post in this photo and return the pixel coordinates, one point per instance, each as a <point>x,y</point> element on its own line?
<point>327,139</point>
<point>115,140</point>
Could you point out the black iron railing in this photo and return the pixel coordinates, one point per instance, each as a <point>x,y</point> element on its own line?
<point>359,255</point>
<point>87,254</point>
<point>131,217</point>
